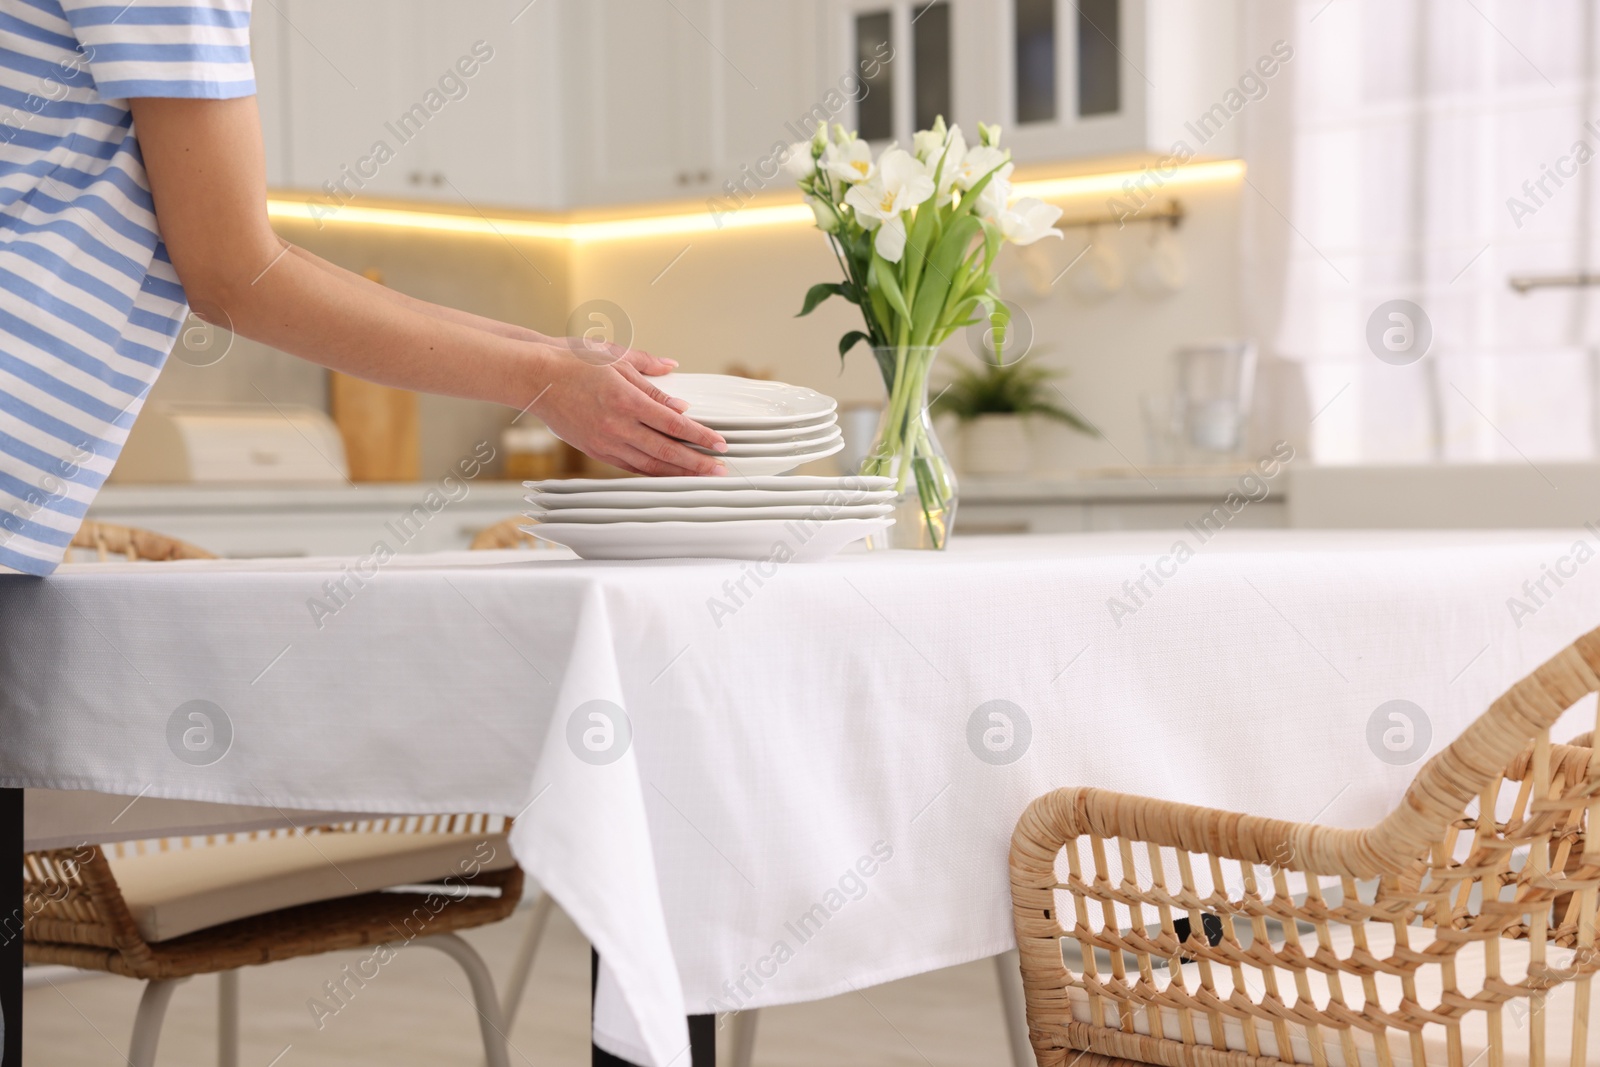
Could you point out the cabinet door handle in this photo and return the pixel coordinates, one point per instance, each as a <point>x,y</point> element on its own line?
<point>683,177</point>
<point>415,177</point>
<point>438,179</point>
<point>705,176</point>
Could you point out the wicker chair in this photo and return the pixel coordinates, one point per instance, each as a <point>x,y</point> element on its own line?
<point>1458,931</point>
<point>166,910</point>
<point>507,533</point>
<point>105,539</point>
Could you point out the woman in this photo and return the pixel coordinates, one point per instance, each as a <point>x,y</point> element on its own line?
<point>132,186</point>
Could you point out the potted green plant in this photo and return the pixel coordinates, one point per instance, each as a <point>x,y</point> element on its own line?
<point>993,402</point>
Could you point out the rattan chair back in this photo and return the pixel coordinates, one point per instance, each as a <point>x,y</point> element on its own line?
<point>1487,850</point>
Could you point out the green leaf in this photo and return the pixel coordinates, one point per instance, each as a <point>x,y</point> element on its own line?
<point>820,292</point>
<point>850,340</point>
<point>881,277</point>
<point>943,265</point>
<point>999,322</point>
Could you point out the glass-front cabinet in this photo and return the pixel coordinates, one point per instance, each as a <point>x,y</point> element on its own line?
<point>1069,80</point>
<point>897,62</point>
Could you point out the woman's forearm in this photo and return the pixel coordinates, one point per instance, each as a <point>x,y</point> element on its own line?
<point>363,330</point>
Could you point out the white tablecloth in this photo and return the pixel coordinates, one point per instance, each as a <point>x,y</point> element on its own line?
<point>806,804</point>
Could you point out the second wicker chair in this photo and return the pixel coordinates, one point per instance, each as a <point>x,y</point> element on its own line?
<point>1458,932</point>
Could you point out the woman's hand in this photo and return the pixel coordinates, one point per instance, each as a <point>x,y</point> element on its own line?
<point>612,412</point>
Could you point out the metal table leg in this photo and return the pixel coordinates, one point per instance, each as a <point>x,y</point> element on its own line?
<point>11,928</point>
<point>702,1031</point>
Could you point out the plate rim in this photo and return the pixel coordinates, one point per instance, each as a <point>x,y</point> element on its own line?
<point>652,484</point>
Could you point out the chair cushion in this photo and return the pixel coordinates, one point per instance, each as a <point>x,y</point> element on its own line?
<point>181,890</point>
<point>1516,1024</point>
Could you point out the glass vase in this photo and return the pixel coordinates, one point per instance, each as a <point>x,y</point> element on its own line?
<point>906,449</point>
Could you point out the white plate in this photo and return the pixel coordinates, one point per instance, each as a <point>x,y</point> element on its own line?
<point>689,483</point>
<point>774,448</point>
<point>756,466</point>
<point>724,400</point>
<point>775,539</point>
<point>714,498</point>
<point>817,512</point>
<point>820,428</point>
<point>737,425</point>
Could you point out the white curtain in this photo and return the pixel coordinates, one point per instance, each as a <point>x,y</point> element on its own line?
<point>1391,165</point>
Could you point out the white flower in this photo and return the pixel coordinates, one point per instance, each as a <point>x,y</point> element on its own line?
<point>955,152</point>
<point>827,216</point>
<point>925,144</point>
<point>980,161</point>
<point>989,135</point>
<point>799,163</point>
<point>994,200</point>
<point>850,162</point>
<point>899,184</point>
<point>1027,221</point>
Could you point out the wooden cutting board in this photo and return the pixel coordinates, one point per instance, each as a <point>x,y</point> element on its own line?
<point>379,425</point>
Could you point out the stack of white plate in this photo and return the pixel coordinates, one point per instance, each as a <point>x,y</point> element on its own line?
<point>782,519</point>
<point>770,427</point>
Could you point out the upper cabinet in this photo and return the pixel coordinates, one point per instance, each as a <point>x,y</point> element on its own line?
<point>553,104</point>
<point>1067,79</point>
<point>641,98</point>
<point>270,60</point>
<point>673,100</point>
<point>412,99</point>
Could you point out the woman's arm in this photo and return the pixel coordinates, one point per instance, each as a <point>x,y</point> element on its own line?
<point>207,177</point>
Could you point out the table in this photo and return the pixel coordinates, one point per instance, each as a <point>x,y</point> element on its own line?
<point>753,785</point>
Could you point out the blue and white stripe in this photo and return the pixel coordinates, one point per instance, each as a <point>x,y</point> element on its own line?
<point>89,303</point>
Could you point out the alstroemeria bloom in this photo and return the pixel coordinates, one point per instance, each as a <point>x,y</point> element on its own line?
<point>800,163</point>
<point>850,162</point>
<point>927,144</point>
<point>826,215</point>
<point>955,153</point>
<point>1027,221</point>
<point>900,184</point>
<point>980,161</point>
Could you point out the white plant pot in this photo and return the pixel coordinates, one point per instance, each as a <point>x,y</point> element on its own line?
<point>996,444</point>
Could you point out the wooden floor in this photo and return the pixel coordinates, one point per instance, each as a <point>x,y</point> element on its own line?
<point>417,1012</point>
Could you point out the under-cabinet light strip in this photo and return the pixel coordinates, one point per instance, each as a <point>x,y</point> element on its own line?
<point>1135,187</point>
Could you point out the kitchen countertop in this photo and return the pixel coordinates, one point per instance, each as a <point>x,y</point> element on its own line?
<point>1110,485</point>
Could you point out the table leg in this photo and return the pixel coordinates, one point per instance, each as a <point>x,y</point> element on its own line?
<point>11,928</point>
<point>702,1031</point>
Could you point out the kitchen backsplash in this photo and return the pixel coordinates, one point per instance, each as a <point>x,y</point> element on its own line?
<point>718,300</point>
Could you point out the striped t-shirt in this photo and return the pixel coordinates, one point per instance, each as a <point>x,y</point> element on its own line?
<point>89,303</point>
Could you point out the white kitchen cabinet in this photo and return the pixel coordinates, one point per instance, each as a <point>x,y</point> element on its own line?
<point>416,99</point>
<point>684,99</point>
<point>1080,79</point>
<point>344,85</point>
<point>605,102</point>
<point>643,101</point>
<point>1067,79</point>
<point>269,56</point>
<point>496,139</point>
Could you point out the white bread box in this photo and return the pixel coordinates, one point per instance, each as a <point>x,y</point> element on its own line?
<point>233,444</point>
